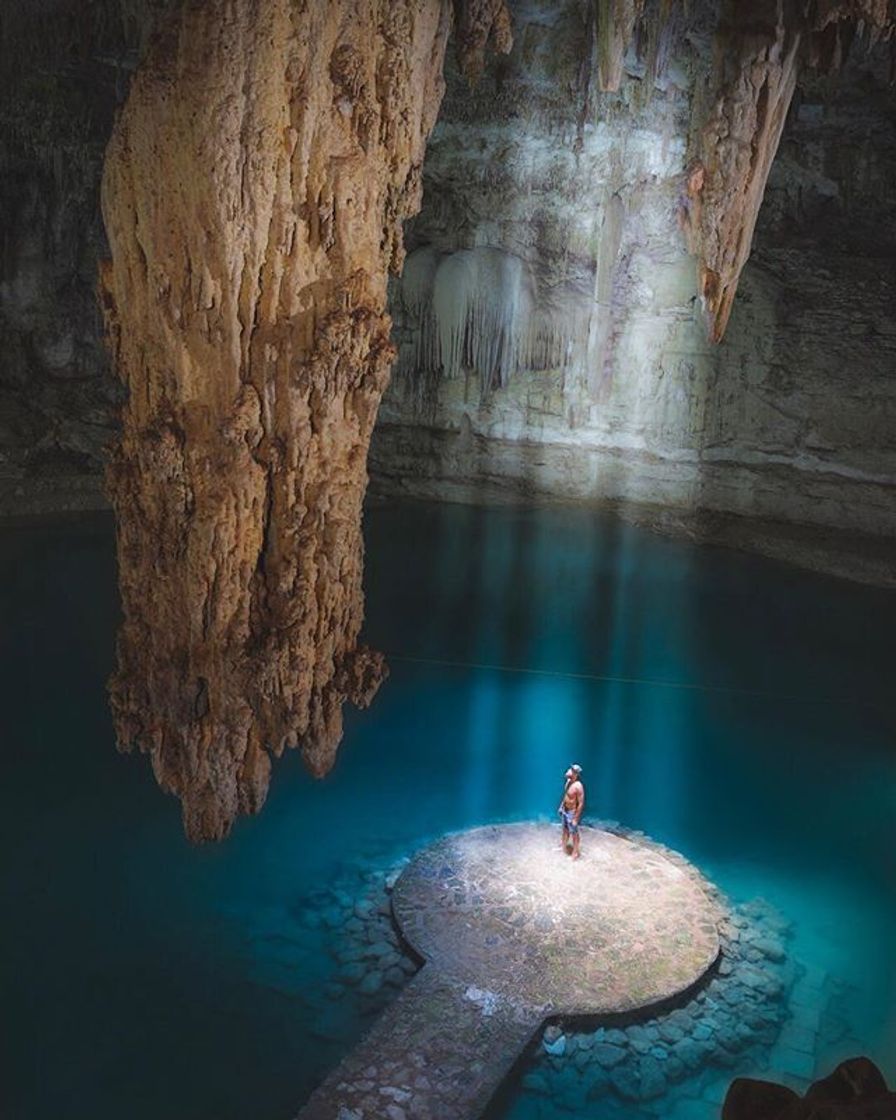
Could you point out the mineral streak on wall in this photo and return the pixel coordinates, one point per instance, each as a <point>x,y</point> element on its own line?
<point>253,194</point>
<point>550,330</point>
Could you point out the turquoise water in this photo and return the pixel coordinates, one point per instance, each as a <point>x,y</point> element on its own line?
<point>737,710</point>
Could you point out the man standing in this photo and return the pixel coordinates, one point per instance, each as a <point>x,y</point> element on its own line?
<point>571,808</point>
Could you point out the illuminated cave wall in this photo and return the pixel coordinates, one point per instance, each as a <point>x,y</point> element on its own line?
<point>612,392</point>
<point>551,339</point>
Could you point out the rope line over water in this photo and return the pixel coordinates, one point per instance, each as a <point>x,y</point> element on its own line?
<point>650,682</point>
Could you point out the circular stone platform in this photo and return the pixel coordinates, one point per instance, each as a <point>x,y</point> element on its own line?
<point>504,910</point>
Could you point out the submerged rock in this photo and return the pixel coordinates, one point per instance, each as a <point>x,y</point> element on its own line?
<point>626,1082</point>
<point>608,1055</point>
<point>555,1047</point>
<point>371,983</point>
<point>652,1079</point>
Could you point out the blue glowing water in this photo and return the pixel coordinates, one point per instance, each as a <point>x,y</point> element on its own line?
<point>736,709</point>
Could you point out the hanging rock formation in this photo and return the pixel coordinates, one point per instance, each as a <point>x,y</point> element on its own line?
<point>835,24</point>
<point>480,24</point>
<point>759,48</point>
<point>615,24</point>
<point>253,194</point>
<point>756,72</point>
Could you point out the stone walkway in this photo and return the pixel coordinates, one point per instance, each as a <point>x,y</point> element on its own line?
<point>438,1052</point>
<point>514,932</point>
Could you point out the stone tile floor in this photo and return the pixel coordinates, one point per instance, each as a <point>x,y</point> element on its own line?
<point>514,931</point>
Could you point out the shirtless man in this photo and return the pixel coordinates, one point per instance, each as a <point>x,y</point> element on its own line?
<point>571,807</point>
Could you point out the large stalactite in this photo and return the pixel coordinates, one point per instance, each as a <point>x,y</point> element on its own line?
<point>614,25</point>
<point>759,49</point>
<point>480,24</point>
<point>756,69</point>
<point>253,194</point>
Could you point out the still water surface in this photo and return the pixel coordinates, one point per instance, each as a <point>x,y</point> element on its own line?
<point>736,709</point>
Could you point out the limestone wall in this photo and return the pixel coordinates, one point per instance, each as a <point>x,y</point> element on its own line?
<point>615,395</point>
<point>612,392</point>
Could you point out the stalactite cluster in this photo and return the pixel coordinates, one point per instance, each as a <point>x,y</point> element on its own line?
<point>477,310</point>
<point>834,25</point>
<point>254,191</point>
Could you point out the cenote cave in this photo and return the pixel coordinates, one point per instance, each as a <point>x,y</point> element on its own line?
<point>448,553</point>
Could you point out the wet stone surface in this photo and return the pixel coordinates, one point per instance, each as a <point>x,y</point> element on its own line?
<point>732,1025</point>
<point>505,909</point>
<point>515,932</point>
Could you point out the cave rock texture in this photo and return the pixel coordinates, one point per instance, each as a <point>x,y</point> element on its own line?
<point>551,337</point>
<point>554,335</point>
<point>253,195</point>
<point>755,77</point>
<point>758,49</point>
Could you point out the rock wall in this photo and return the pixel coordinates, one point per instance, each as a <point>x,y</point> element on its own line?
<point>65,69</point>
<point>856,1090</point>
<point>552,339</point>
<point>578,191</point>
